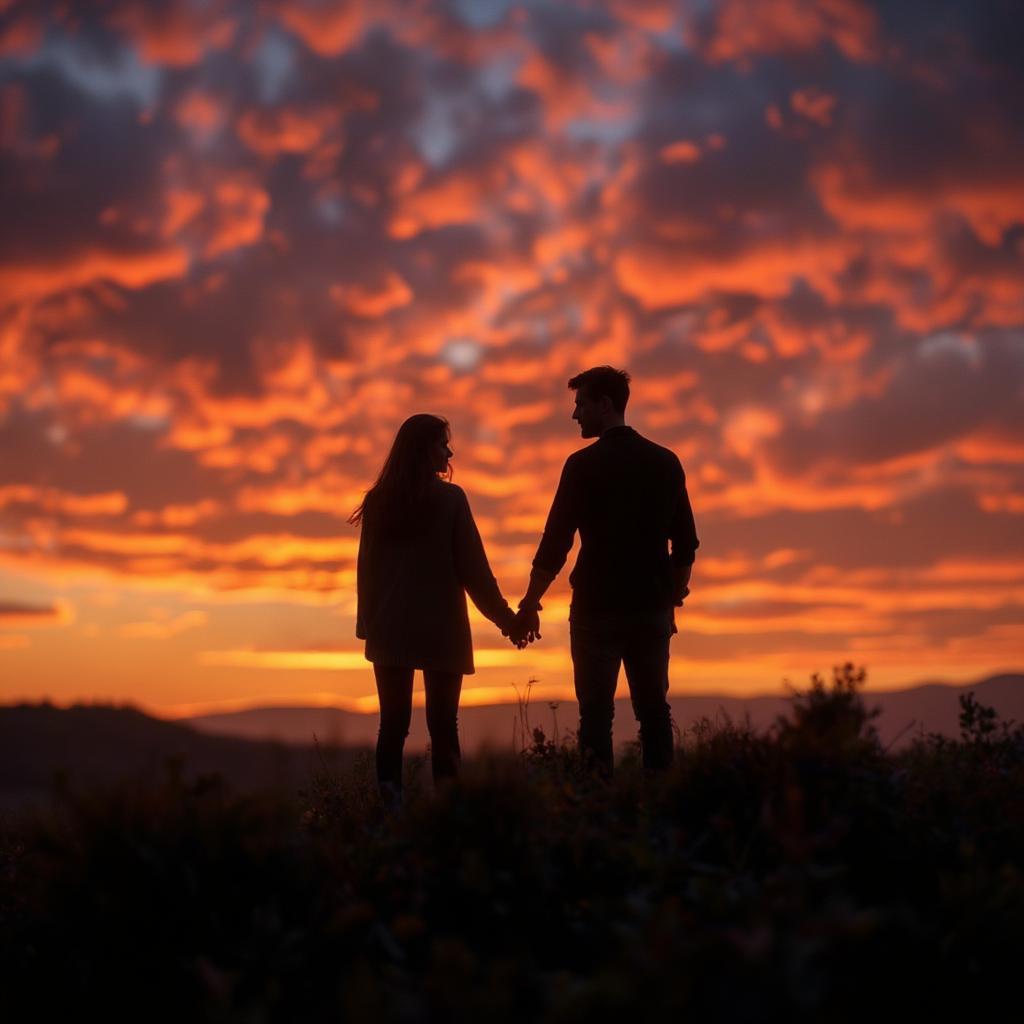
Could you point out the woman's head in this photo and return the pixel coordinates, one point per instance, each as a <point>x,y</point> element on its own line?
<point>419,455</point>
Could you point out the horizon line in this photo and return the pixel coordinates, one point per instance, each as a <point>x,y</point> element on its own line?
<point>509,695</point>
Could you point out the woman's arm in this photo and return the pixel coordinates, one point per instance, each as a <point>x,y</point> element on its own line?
<point>474,571</point>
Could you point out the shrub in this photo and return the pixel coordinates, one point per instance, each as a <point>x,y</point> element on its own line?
<point>801,873</point>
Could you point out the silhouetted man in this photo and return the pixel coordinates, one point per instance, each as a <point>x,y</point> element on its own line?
<point>627,498</point>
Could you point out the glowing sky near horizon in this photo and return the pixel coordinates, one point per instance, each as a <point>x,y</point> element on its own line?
<point>241,242</point>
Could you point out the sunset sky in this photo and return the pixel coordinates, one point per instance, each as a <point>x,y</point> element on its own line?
<point>241,242</point>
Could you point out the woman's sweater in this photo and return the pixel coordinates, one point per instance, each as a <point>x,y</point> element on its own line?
<point>412,589</point>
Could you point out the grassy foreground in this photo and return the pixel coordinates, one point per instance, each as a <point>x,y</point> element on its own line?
<point>802,874</point>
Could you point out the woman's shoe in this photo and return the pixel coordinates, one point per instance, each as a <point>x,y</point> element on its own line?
<point>391,797</point>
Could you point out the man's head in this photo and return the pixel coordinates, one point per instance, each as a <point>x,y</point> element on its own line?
<point>601,396</point>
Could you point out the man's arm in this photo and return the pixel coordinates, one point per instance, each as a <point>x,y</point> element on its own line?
<point>528,618</point>
<point>559,530</point>
<point>683,537</point>
<point>540,580</point>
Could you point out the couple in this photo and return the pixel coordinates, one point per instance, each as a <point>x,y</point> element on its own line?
<point>420,552</point>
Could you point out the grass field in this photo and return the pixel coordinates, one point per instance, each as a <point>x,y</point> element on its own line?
<point>801,873</point>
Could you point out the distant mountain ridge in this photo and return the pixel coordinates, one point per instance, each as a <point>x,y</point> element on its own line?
<point>43,747</point>
<point>926,707</point>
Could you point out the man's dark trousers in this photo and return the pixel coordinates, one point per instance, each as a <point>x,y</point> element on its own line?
<point>640,643</point>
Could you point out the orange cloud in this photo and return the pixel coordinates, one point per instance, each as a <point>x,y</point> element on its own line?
<point>174,33</point>
<point>277,562</point>
<point>22,34</point>
<point>241,209</point>
<point>390,292</point>
<point>52,500</point>
<point>985,446</point>
<point>296,388</point>
<point>182,207</point>
<point>354,660</point>
<point>331,493</point>
<point>568,94</point>
<point>327,30</point>
<point>650,15</point>
<point>453,199</point>
<point>682,152</point>
<point>741,28</point>
<point>815,105</point>
<point>496,484</point>
<point>1002,502</point>
<point>176,516</point>
<point>200,113</point>
<point>904,233</point>
<point>105,399</point>
<point>544,175</point>
<point>323,661</point>
<point>34,280</point>
<point>661,276</point>
<point>162,625</point>
<point>191,434</point>
<point>959,570</point>
<point>622,58</point>
<point>127,543</point>
<point>850,192</point>
<point>290,365</point>
<point>273,132</point>
<point>282,549</point>
<point>261,455</point>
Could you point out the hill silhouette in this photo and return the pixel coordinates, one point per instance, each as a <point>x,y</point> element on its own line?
<point>42,746</point>
<point>905,713</point>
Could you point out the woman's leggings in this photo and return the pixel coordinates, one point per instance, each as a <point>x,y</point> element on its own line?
<point>394,688</point>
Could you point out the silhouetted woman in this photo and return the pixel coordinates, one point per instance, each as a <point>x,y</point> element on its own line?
<point>419,554</point>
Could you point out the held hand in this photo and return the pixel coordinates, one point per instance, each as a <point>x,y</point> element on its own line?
<point>513,629</point>
<point>517,638</point>
<point>527,628</point>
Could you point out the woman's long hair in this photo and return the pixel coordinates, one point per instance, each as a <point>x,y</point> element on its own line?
<point>396,503</point>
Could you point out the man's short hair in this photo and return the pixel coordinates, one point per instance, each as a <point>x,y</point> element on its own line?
<point>603,381</point>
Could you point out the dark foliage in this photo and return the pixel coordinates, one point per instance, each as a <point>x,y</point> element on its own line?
<point>804,873</point>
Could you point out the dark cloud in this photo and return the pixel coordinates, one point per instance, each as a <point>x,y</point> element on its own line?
<point>12,612</point>
<point>692,644</point>
<point>109,458</point>
<point>103,159</point>
<point>950,387</point>
<point>944,524</point>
